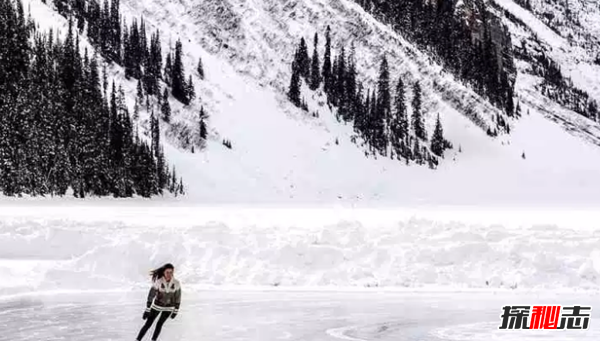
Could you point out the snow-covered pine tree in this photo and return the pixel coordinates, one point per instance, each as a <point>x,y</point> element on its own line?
<point>294,88</point>
<point>399,122</point>
<point>179,86</point>
<point>339,85</point>
<point>168,70</point>
<point>190,91</point>
<point>315,72</point>
<point>383,107</point>
<point>417,117</point>
<point>438,143</point>
<point>202,126</point>
<point>327,61</point>
<point>200,69</point>
<point>304,60</point>
<point>350,82</point>
<point>165,108</point>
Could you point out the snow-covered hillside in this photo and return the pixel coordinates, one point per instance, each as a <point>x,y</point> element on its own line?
<point>281,155</point>
<point>568,32</point>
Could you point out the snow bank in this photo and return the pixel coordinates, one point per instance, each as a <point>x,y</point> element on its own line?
<point>93,252</point>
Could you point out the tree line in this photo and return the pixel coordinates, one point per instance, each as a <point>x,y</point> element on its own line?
<point>382,120</point>
<point>433,25</point>
<point>62,125</point>
<point>129,47</point>
<point>555,85</point>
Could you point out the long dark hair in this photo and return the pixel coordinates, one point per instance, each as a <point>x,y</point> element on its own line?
<point>160,272</point>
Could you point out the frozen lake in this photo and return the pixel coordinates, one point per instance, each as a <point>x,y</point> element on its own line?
<point>283,315</point>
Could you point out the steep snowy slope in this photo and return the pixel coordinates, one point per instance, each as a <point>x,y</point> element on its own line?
<point>568,33</point>
<point>281,155</point>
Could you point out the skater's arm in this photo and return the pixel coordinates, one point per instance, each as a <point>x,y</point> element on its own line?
<point>177,300</point>
<point>151,295</point>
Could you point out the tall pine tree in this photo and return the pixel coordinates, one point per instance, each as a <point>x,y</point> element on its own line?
<point>200,69</point>
<point>304,60</point>
<point>438,143</point>
<point>417,118</point>
<point>327,61</point>
<point>295,83</point>
<point>315,71</point>
<point>384,106</point>
<point>179,86</point>
<point>165,108</point>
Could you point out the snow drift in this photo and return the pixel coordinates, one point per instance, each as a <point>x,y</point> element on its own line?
<point>89,251</point>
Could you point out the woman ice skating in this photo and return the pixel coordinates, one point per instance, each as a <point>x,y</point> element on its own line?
<point>164,299</point>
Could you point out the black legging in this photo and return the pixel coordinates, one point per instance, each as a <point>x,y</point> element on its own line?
<point>153,314</point>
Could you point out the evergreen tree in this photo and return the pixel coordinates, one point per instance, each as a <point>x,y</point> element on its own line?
<point>173,182</point>
<point>401,112</point>
<point>127,62</point>
<point>417,118</point>
<point>294,89</point>
<point>339,85</point>
<point>332,95</point>
<point>165,108</point>
<point>152,61</point>
<point>140,92</point>
<point>350,85</point>
<point>143,55</point>
<point>191,92</point>
<point>384,105</point>
<point>202,127</point>
<point>315,71</point>
<point>358,110</point>
<point>93,16</point>
<point>593,110</point>
<point>373,122</point>
<point>134,53</point>
<point>327,61</point>
<point>200,69</point>
<point>180,86</point>
<point>154,133</point>
<point>161,169</point>
<point>304,60</point>
<point>114,32</point>
<point>105,29</point>
<point>438,143</point>
<point>136,110</point>
<point>399,123</point>
<point>169,70</point>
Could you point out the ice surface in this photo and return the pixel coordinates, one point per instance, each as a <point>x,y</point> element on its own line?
<point>280,315</point>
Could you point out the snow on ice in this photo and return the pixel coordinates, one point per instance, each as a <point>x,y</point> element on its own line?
<point>96,248</point>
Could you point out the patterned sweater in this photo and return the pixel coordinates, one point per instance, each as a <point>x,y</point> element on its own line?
<point>164,296</point>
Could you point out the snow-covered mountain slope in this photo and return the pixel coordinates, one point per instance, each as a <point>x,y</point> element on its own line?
<point>568,33</point>
<point>281,155</point>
